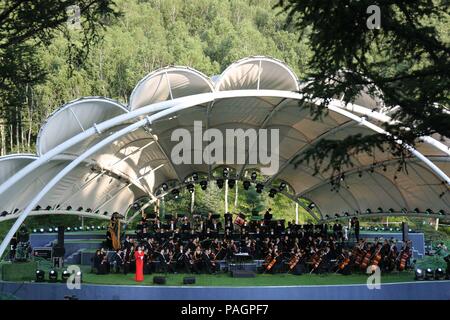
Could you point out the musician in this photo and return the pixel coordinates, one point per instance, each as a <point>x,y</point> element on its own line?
<point>172,225</point>
<point>186,225</point>
<point>268,214</point>
<point>197,260</point>
<point>116,261</point>
<point>356,227</point>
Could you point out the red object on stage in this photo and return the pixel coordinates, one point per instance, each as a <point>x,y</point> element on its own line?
<point>139,256</point>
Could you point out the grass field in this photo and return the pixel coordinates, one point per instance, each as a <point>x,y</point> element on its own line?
<point>220,279</point>
<point>260,280</point>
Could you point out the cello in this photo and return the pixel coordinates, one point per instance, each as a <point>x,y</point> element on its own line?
<point>403,259</point>
<point>316,260</point>
<point>377,258</point>
<point>366,260</point>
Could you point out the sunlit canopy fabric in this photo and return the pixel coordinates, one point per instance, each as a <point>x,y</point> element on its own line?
<point>256,92</point>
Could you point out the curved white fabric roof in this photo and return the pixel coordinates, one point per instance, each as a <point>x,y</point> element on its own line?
<point>120,154</point>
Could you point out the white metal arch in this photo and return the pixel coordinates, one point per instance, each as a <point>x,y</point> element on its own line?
<point>167,108</point>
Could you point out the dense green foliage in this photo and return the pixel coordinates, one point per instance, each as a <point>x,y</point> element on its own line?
<point>405,63</point>
<point>207,35</point>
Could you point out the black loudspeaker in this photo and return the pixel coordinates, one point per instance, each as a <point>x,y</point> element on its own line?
<point>61,236</point>
<point>405,231</point>
<point>159,280</point>
<point>58,252</point>
<point>188,280</point>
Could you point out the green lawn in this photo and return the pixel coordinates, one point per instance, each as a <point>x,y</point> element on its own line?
<point>260,280</point>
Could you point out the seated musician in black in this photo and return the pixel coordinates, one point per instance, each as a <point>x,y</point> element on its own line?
<point>149,266</point>
<point>97,259</point>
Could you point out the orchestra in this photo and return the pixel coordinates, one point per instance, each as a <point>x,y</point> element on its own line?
<point>200,244</point>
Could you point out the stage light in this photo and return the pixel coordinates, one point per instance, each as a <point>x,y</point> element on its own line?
<point>429,211</point>
<point>99,228</point>
<point>380,210</point>
<point>384,168</point>
<point>195,176</point>
<point>416,210</point>
<point>50,230</point>
<point>34,230</point>
<point>42,230</point>
<point>103,227</point>
<point>4,214</point>
<point>429,274</point>
<point>220,183</point>
<point>53,275</point>
<point>327,216</point>
<point>37,208</point>
<point>272,193</point>
<point>40,275</point>
<point>48,208</point>
<point>337,215</point>
<point>80,208</point>
<point>65,275</point>
<point>231,183</point>
<point>419,274</point>
<point>259,187</point>
<point>175,193</point>
<point>97,211</point>
<point>312,205</point>
<point>254,175</point>
<point>68,229</point>
<point>282,186</point>
<point>204,184</point>
<point>360,174</point>
<point>225,173</point>
<point>69,208</point>
<point>441,212</point>
<point>165,186</point>
<point>75,229</point>
<point>246,184</point>
<point>391,210</point>
<point>190,187</point>
<point>368,211</point>
<point>88,210</point>
<point>439,274</point>
<point>136,206</point>
<point>93,227</point>
<point>346,214</point>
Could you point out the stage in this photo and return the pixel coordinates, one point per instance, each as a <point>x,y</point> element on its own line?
<point>418,290</point>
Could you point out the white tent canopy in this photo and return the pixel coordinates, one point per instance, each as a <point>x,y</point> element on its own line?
<point>96,156</point>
